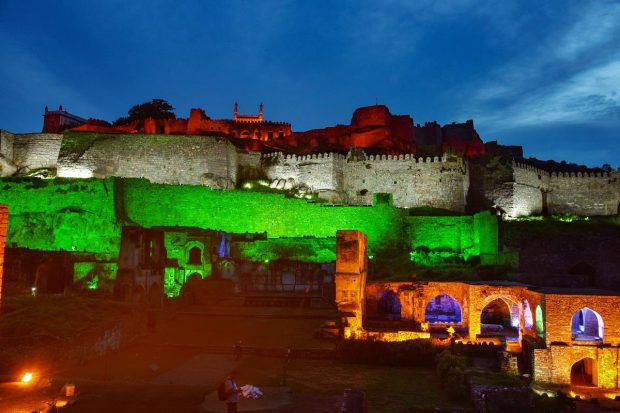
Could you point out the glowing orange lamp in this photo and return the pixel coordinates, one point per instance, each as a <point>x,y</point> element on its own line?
<point>27,377</point>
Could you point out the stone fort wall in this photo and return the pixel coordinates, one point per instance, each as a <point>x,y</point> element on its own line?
<point>446,182</point>
<point>413,182</point>
<point>191,160</point>
<point>32,151</point>
<point>580,193</point>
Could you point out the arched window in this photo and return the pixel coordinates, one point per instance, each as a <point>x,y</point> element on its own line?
<point>389,305</point>
<point>540,322</point>
<point>527,315</point>
<point>584,373</point>
<point>195,256</point>
<point>587,325</point>
<point>443,309</point>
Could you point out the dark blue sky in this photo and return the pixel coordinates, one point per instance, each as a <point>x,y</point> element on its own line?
<point>545,77</point>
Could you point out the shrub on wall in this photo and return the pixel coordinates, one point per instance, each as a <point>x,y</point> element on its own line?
<point>451,370</point>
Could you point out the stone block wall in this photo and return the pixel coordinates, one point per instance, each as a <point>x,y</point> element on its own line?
<point>553,364</point>
<point>584,193</point>
<point>36,151</point>
<point>53,215</point>
<point>430,182</point>
<point>529,184</point>
<point>6,144</point>
<point>560,309</point>
<point>192,160</point>
<point>319,172</point>
<point>351,272</point>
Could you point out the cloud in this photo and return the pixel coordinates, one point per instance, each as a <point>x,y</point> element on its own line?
<point>26,77</point>
<point>393,28</point>
<point>571,76</point>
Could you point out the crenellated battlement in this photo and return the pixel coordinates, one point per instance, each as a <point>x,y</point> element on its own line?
<point>301,158</point>
<point>529,168</point>
<point>573,175</point>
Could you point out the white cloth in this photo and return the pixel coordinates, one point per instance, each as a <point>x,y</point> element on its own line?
<point>251,392</point>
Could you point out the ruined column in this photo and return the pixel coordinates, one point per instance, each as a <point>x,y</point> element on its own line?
<point>351,271</point>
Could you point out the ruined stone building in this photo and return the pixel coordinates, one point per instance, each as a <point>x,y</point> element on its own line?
<point>345,164</point>
<point>150,209</point>
<point>569,336</point>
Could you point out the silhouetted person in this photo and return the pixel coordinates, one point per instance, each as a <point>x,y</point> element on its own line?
<point>232,391</point>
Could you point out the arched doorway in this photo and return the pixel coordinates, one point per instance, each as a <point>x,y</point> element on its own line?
<point>194,256</point>
<point>443,309</point>
<point>540,322</point>
<point>389,305</point>
<point>584,373</point>
<point>528,318</point>
<point>498,317</point>
<point>587,325</point>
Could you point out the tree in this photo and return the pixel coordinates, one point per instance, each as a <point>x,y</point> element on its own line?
<point>156,109</point>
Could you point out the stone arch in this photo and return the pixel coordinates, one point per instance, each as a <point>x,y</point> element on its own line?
<point>443,308</point>
<point>245,134</point>
<point>194,256</point>
<point>540,322</point>
<point>500,315</point>
<point>194,277</point>
<point>528,318</point>
<point>194,253</point>
<point>227,269</point>
<point>587,325</point>
<point>389,305</point>
<point>584,373</point>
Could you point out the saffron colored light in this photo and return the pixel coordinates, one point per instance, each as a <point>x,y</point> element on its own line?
<point>27,377</point>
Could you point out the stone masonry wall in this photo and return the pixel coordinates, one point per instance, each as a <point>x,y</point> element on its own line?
<point>561,308</point>
<point>6,144</point>
<point>584,193</point>
<point>35,151</point>
<point>528,186</point>
<point>553,364</point>
<point>319,172</point>
<point>193,160</point>
<point>438,182</point>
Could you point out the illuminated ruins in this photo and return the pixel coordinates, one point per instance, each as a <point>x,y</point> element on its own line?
<point>571,336</point>
<point>142,210</point>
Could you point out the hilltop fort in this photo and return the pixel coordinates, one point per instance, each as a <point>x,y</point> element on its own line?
<point>444,167</point>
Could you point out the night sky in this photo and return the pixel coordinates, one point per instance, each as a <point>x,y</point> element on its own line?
<point>545,77</point>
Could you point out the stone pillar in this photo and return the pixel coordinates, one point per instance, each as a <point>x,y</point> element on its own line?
<point>4,220</point>
<point>351,271</point>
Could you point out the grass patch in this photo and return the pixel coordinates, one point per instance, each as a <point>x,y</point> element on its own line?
<point>388,389</point>
<point>491,378</point>
<point>56,315</point>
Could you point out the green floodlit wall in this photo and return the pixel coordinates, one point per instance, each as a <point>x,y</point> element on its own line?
<point>294,249</point>
<point>152,205</point>
<point>61,214</point>
<point>95,275</point>
<point>85,215</point>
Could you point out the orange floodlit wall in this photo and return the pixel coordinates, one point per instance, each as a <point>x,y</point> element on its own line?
<point>577,331</point>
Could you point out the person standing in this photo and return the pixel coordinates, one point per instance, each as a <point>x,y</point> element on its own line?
<point>232,390</point>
